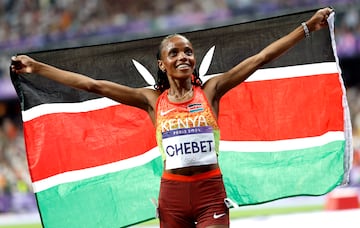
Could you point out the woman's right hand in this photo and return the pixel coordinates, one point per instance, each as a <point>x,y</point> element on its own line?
<point>22,64</point>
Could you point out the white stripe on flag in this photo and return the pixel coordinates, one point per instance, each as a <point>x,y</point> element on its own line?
<point>288,72</point>
<point>294,71</point>
<point>249,146</point>
<point>85,106</point>
<point>259,75</point>
<point>281,145</point>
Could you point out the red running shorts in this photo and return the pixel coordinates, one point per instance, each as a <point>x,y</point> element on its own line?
<point>192,201</point>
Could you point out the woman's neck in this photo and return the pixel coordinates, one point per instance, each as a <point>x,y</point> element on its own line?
<point>180,93</point>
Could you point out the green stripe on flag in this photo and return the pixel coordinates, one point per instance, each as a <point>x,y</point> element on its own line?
<point>261,177</point>
<point>111,200</point>
<point>265,176</point>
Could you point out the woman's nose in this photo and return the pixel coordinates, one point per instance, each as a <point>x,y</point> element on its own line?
<point>182,55</point>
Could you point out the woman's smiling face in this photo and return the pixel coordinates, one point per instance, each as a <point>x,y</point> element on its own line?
<point>177,57</point>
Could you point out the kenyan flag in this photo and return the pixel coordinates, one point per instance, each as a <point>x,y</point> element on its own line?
<point>284,132</point>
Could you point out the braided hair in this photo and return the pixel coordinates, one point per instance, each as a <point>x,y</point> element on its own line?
<point>162,81</point>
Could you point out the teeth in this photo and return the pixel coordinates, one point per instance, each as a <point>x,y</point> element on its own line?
<point>183,66</point>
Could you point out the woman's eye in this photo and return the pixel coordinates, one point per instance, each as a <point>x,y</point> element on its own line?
<point>172,53</point>
<point>189,52</point>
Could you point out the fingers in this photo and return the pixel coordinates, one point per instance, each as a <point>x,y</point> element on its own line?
<point>327,11</point>
<point>15,63</point>
<point>319,20</point>
<point>331,9</point>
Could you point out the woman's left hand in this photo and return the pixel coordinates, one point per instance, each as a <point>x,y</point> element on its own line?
<point>319,19</point>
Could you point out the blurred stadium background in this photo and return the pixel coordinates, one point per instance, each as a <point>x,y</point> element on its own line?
<point>34,25</point>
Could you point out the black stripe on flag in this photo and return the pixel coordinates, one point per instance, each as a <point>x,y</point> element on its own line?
<point>113,62</point>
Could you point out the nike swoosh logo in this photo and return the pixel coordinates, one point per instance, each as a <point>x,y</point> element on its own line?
<point>216,216</point>
<point>163,113</point>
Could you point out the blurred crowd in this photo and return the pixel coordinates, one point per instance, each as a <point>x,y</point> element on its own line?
<point>15,185</point>
<point>35,24</point>
<point>29,25</point>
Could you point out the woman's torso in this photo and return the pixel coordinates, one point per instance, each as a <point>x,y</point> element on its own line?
<point>187,134</point>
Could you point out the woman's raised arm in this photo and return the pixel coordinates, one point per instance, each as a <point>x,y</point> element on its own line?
<point>138,97</point>
<point>216,87</point>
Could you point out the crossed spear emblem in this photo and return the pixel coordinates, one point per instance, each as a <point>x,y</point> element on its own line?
<point>204,66</point>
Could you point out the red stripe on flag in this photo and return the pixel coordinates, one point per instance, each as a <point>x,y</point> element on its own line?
<point>62,142</point>
<point>282,109</point>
